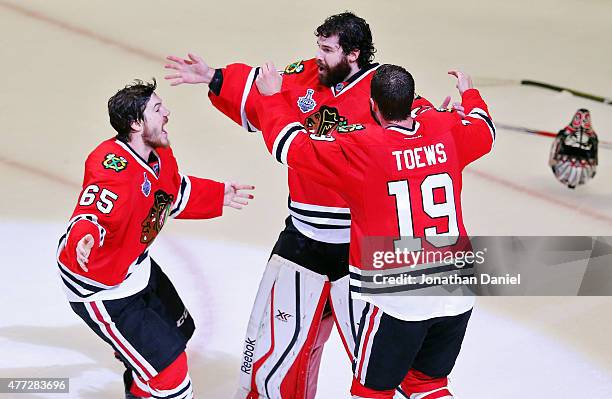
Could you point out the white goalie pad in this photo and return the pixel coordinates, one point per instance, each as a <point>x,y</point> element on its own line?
<point>282,328</point>
<point>346,314</point>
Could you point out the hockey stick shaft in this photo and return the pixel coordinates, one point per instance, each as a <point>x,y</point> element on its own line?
<point>576,93</point>
<point>602,144</point>
<point>488,81</point>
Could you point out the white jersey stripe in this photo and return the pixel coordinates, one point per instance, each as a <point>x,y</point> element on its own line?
<point>278,148</point>
<point>170,392</point>
<point>339,235</point>
<point>318,220</point>
<point>183,196</point>
<point>369,341</point>
<point>319,208</point>
<point>245,94</point>
<point>479,113</point>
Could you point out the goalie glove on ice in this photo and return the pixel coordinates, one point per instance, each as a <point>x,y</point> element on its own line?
<point>573,156</point>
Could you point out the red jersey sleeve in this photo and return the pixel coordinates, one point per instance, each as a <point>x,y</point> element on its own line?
<point>474,135</point>
<point>198,198</point>
<point>322,158</point>
<point>238,95</point>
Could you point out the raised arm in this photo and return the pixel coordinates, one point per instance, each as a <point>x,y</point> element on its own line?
<point>200,198</point>
<point>475,134</point>
<point>232,90</point>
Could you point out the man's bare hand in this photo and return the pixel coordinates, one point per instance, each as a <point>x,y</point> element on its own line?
<point>83,250</point>
<point>235,197</point>
<point>457,107</point>
<point>269,81</point>
<point>464,81</point>
<point>193,70</point>
<point>445,103</point>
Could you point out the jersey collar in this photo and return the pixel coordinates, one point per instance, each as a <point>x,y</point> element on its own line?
<point>140,160</point>
<point>343,87</point>
<point>411,131</point>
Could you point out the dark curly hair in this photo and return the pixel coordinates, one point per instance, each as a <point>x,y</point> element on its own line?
<point>353,34</point>
<point>128,106</point>
<point>392,90</point>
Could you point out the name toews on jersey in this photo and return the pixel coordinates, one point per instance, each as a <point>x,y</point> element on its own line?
<point>403,186</point>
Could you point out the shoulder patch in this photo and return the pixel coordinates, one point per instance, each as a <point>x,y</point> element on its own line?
<point>307,103</point>
<point>296,67</point>
<point>114,162</point>
<point>349,128</point>
<point>322,122</point>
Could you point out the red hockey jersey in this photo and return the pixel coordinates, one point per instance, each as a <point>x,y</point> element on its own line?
<point>124,203</point>
<point>403,187</point>
<point>316,211</point>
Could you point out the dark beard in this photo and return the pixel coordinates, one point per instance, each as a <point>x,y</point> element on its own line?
<point>335,75</point>
<point>155,142</point>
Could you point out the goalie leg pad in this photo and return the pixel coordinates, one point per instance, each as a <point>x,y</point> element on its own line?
<point>312,376</point>
<point>282,331</point>
<point>346,314</point>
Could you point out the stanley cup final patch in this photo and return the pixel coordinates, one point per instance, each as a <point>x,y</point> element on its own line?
<point>307,103</point>
<point>146,185</point>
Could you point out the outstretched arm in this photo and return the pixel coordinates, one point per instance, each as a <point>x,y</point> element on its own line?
<point>193,70</point>
<point>232,89</point>
<point>236,195</point>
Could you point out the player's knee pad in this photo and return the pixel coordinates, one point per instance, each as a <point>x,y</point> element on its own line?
<point>172,382</point>
<point>282,331</point>
<point>418,385</point>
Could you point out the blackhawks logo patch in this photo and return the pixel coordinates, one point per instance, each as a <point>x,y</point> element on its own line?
<point>157,216</point>
<point>321,124</point>
<point>296,67</point>
<point>114,162</point>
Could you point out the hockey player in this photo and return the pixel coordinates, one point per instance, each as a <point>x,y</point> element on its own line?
<point>282,354</point>
<point>131,187</point>
<point>573,156</point>
<point>401,179</point>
